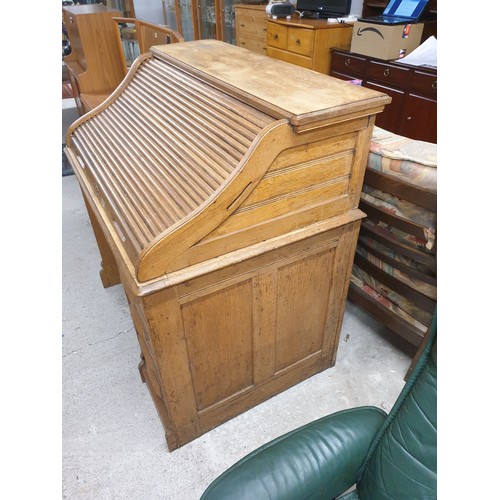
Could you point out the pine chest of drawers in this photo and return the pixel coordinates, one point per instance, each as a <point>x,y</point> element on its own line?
<point>250,24</point>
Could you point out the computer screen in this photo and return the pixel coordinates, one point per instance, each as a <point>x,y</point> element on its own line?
<point>405,8</point>
<point>325,7</point>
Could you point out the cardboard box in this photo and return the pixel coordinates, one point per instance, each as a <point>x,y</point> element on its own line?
<point>385,42</point>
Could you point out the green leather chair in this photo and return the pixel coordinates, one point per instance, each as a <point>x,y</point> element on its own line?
<point>360,453</point>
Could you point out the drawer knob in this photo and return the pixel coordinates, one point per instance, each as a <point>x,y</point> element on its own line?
<point>386,72</point>
<point>242,25</point>
<point>297,42</point>
<point>408,117</point>
<point>347,62</point>
<point>275,37</point>
<point>434,85</point>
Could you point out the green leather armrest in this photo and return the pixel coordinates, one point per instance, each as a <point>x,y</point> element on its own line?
<point>317,461</point>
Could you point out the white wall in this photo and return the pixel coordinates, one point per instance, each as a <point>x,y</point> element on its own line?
<point>150,10</point>
<point>356,7</point>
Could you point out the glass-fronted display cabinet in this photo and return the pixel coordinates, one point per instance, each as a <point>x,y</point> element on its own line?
<point>202,19</point>
<point>193,19</point>
<point>207,19</point>
<point>227,21</point>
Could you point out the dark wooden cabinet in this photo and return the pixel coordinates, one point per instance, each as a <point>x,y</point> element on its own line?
<point>413,89</point>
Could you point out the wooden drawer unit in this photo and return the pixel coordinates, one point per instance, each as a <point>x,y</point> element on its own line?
<point>250,23</point>
<point>306,42</point>
<point>413,89</point>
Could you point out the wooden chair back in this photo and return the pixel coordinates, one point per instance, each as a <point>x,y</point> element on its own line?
<point>147,34</point>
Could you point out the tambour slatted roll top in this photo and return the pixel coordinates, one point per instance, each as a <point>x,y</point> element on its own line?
<point>171,154</point>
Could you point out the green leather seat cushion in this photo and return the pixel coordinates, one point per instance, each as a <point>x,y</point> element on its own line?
<point>320,460</point>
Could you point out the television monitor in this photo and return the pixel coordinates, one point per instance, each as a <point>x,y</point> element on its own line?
<point>325,8</point>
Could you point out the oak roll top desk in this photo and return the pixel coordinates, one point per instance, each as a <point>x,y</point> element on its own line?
<point>222,187</point>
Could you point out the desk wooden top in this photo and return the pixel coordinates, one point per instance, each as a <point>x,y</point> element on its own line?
<point>302,96</point>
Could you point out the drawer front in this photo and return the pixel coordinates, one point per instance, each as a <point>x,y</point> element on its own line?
<point>300,41</point>
<point>249,24</point>
<point>388,73</point>
<point>252,43</point>
<point>391,117</point>
<point>425,83</point>
<point>283,55</point>
<point>348,64</point>
<point>277,36</point>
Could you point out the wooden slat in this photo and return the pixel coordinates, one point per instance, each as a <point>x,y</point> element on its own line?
<point>401,223</point>
<point>164,160</point>
<point>425,198</point>
<point>238,133</point>
<point>212,142</point>
<point>399,247</point>
<point>396,264</point>
<point>173,139</point>
<point>120,205</point>
<point>420,300</point>
<point>390,319</point>
<point>177,195</point>
<point>211,170</point>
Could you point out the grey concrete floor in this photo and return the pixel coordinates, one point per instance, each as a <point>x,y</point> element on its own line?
<point>113,444</point>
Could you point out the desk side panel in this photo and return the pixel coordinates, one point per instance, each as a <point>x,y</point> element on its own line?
<point>228,340</point>
<point>316,177</point>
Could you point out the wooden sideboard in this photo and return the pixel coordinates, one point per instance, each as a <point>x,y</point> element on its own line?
<point>228,209</point>
<point>250,23</point>
<point>306,42</point>
<point>96,65</point>
<point>413,110</point>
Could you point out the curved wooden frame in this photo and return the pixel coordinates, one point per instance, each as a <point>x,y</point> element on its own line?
<point>146,31</point>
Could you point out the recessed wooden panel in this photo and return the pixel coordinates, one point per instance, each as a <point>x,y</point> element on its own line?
<point>317,149</point>
<point>303,290</point>
<point>218,329</point>
<point>278,206</point>
<point>302,176</point>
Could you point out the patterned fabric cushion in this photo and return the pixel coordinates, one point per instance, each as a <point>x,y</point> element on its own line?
<point>406,159</point>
